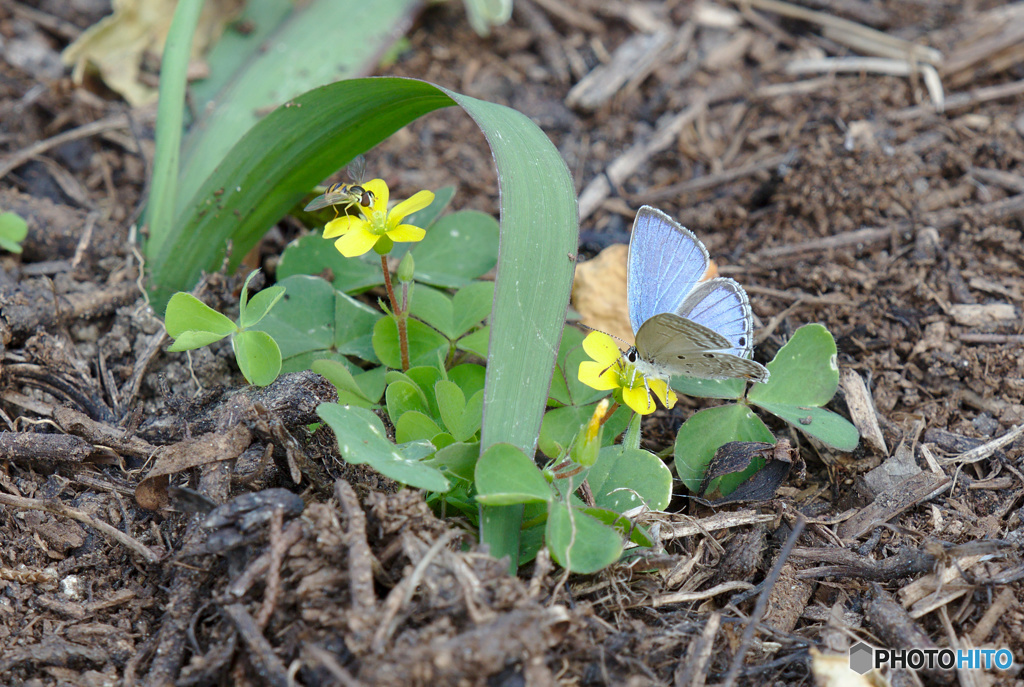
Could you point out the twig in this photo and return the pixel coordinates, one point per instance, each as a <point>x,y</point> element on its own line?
<point>241,584</point>
<point>360,558</point>
<point>711,180</point>
<point>956,101</point>
<point>969,337</point>
<point>58,508</point>
<point>762,602</point>
<point>118,121</point>
<point>272,590</point>
<point>261,653</point>
<point>850,33</point>
<point>875,65</point>
<point>401,595</point>
<point>996,210</point>
<point>601,185</point>
<point>984,451</point>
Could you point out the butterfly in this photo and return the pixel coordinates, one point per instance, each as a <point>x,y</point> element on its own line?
<point>682,325</point>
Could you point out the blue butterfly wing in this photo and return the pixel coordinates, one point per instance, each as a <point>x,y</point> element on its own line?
<point>722,306</point>
<point>665,263</point>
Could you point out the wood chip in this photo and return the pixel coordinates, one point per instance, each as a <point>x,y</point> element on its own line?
<point>862,410</point>
<point>981,315</point>
<point>638,54</point>
<point>891,503</point>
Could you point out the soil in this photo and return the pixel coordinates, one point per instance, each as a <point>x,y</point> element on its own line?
<point>849,199</point>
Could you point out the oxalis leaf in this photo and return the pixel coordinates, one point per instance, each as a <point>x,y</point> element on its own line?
<point>361,439</point>
<point>805,376</point>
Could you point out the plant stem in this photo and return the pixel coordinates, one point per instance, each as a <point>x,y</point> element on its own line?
<point>400,314</point>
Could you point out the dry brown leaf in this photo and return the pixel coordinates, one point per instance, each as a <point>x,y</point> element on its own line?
<point>116,45</point>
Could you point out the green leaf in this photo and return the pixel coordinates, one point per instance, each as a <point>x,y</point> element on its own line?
<point>559,426</point>
<point>461,418</point>
<point>274,165</point>
<point>580,542</point>
<point>258,357</point>
<point>13,230</point>
<point>313,321</point>
<point>361,439</point>
<point>424,343</point>
<point>372,383</point>
<point>710,388</point>
<point>470,377</point>
<point>505,475</point>
<point>185,312</point>
<point>457,249</point>
<point>433,307</point>
<point>260,305</point>
<point>624,478</point>
<point>314,255</point>
<point>425,377</point>
<point>414,425</point>
<point>626,527</point>
<point>191,340</point>
<point>349,391</point>
<point>804,371</point>
<point>402,397</point>
<point>805,377</point>
<point>476,343</point>
<point>824,425</point>
<point>471,305</point>
<point>457,459</point>
<point>702,435</point>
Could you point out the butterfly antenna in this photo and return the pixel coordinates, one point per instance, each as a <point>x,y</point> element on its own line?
<point>601,331</point>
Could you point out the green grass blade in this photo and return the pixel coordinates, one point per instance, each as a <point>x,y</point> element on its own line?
<point>314,44</point>
<point>539,234</point>
<point>170,111</point>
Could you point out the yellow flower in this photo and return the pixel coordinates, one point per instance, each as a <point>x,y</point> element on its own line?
<point>610,370</point>
<point>377,228</point>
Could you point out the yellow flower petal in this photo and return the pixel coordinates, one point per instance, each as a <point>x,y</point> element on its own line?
<point>598,376</point>
<point>342,225</point>
<point>601,348</point>
<point>406,232</point>
<point>379,189</point>
<point>418,201</point>
<point>638,400</point>
<point>659,387</point>
<point>356,242</point>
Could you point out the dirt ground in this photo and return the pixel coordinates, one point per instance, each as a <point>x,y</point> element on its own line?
<point>847,199</point>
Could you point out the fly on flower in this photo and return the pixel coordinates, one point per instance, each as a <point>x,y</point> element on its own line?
<point>346,195</point>
<point>376,226</point>
<point>610,370</point>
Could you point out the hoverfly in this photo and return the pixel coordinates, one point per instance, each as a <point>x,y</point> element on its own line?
<point>345,195</point>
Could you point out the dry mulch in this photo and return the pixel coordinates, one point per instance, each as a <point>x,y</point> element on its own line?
<point>845,199</point>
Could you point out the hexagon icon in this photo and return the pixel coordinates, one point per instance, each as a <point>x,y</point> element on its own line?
<point>861,658</point>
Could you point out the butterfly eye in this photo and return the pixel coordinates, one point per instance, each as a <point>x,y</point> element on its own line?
<point>631,354</point>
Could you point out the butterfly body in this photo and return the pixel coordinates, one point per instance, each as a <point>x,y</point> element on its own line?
<point>683,325</point>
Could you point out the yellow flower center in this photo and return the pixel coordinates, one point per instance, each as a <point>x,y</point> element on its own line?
<point>376,222</point>
<point>629,378</point>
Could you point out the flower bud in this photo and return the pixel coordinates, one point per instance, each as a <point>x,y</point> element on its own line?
<point>406,269</point>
